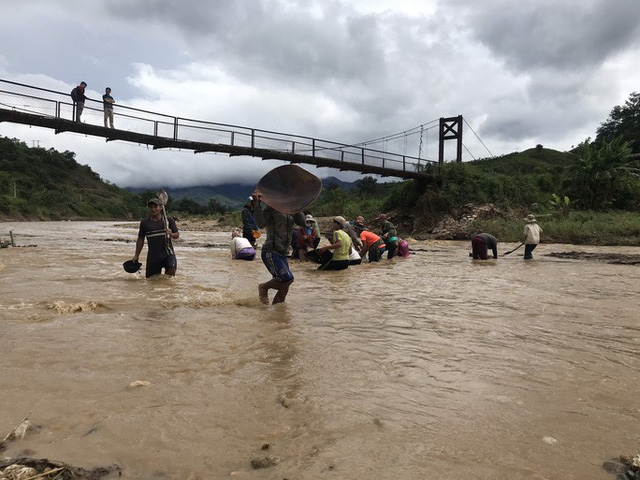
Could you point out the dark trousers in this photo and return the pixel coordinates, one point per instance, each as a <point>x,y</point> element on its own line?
<point>528,249</point>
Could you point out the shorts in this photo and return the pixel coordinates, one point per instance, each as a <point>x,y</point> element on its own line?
<point>247,253</point>
<point>170,262</point>
<point>278,266</point>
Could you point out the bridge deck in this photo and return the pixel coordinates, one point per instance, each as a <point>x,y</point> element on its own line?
<point>28,105</point>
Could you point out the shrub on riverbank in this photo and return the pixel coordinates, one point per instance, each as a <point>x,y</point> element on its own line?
<point>581,228</point>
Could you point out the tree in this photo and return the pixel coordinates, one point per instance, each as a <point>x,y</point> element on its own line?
<point>602,171</point>
<point>623,121</point>
<point>216,206</point>
<point>367,186</point>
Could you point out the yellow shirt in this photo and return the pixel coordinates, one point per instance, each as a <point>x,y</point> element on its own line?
<point>341,253</point>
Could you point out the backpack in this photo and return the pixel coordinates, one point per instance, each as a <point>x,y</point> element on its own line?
<point>74,94</point>
<point>403,248</point>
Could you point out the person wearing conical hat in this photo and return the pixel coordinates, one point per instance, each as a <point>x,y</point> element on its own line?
<point>531,235</point>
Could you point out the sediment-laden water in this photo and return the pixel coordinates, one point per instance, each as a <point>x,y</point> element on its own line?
<point>434,366</point>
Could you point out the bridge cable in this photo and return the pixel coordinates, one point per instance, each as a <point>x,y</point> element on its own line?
<point>467,123</point>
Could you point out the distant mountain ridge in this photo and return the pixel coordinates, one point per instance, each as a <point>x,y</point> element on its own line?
<point>233,195</point>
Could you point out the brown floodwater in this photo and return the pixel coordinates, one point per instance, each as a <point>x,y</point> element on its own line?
<point>430,367</point>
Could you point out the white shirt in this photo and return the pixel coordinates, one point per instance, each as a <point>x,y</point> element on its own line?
<point>532,232</point>
<point>237,244</point>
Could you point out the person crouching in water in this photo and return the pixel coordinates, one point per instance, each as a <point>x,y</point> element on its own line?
<point>389,235</point>
<point>241,248</point>
<point>341,246</point>
<point>276,249</point>
<point>480,244</point>
<point>372,245</point>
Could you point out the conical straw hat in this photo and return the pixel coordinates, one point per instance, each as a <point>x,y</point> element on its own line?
<point>289,188</point>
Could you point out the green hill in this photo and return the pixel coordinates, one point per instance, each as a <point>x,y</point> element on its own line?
<point>36,183</point>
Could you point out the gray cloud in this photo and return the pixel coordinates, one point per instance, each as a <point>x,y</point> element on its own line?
<point>521,73</point>
<point>562,35</point>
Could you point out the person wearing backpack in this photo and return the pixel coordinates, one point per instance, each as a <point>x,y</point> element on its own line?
<point>389,235</point>
<point>78,97</point>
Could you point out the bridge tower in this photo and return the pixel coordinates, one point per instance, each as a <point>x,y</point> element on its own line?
<point>450,129</point>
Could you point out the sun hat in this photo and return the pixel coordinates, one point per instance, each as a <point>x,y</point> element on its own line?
<point>155,201</point>
<point>309,218</point>
<point>131,267</point>
<point>530,218</point>
<point>340,220</point>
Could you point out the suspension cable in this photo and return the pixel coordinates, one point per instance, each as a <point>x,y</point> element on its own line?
<point>467,123</point>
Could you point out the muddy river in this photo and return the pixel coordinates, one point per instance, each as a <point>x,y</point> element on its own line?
<point>430,367</point>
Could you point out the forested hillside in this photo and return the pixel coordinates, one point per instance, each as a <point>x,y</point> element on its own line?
<point>36,183</point>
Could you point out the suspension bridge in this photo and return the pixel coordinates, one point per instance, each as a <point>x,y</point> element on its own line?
<point>35,106</point>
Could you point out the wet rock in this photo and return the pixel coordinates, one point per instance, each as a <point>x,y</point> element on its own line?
<point>264,462</point>
<point>284,400</point>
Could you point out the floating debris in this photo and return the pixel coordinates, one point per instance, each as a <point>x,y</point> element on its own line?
<point>625,468</point>
<point>139,383</point>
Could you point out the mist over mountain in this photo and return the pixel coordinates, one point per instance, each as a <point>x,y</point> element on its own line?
<point>233,195</point>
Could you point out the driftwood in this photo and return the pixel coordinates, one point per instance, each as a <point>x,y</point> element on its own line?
<point>63,471</point>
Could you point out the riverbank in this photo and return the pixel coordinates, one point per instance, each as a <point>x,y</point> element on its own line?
<point>619,228</point>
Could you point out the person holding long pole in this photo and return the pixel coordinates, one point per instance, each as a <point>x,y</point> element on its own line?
<point>531,236</point>
<point>158,230</point>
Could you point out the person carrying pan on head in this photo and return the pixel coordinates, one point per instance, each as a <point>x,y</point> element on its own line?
<point>158,234</point>
<point>276,248</point>
<point>480,244</point>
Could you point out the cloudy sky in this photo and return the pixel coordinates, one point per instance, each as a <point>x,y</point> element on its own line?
<point>520,72</point>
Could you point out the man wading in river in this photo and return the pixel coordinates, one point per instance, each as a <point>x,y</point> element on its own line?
<point>276,248</point>
<point>158,234</point>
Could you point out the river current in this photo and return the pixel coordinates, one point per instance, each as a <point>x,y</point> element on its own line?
<point>430,367</point>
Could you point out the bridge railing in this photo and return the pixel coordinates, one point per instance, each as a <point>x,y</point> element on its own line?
<point>51,103</point>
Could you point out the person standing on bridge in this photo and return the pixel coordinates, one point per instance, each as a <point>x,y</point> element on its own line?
<point>78,97</point>
<point>107,102</point>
